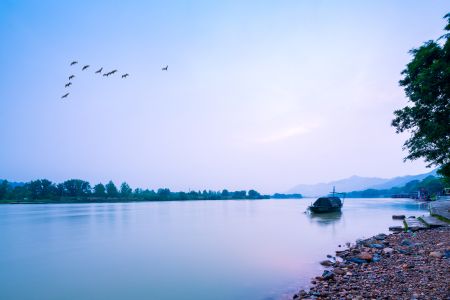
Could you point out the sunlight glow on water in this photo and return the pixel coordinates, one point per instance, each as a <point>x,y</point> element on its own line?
<point>264,249</point>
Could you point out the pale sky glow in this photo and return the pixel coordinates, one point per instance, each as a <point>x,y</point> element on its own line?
<point>260,94</point>
<point>287,133</point>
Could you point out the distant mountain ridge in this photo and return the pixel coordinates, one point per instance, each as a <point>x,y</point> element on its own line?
<point>356,183</point>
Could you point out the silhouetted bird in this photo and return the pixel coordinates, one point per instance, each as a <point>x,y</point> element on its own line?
<point>68,84</point>
<point>65,96</point>
<point>71,77</point>
<point>99,71</point>
<point>125,75</point>
<point>85,67</point>
<point>165,68</point>
<point>73,63</point>
<point>112,72</point>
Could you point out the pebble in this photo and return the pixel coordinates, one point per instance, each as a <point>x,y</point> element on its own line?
<point>365,255</point>
<point>436,254</point>
<point>339,271</point>
<point>406,242</point>
<point>414,266</point>
<point>326,263</point>
<point>388,250</point>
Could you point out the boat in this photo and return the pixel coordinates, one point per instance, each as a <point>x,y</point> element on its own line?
<point>330,203</point>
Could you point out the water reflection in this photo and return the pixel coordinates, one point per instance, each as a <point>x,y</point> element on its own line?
<point>325,219</point>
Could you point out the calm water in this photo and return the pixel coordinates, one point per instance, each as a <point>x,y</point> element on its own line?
<point>264,249</point>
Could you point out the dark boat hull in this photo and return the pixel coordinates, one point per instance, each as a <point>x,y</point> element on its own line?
<point>322,210</point>
<point>326,205</point>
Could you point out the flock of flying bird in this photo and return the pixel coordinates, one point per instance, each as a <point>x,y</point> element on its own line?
<point>99,71</point>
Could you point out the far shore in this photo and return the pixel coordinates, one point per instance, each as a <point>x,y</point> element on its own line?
<point>126,200</point>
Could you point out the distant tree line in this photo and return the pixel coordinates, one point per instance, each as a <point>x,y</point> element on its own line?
<point>286,196</point>
<point>77,190</point>
<point>433,185</point>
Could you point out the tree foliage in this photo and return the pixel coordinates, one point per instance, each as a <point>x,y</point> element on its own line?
<point>75,188</point>
<point>426,83</point>
<point>111,189</point>
<point>4,189</point>
<point>99,190</point>
<point>125,190</point>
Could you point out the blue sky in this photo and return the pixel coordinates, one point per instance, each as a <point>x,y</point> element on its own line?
<point>260,94</point>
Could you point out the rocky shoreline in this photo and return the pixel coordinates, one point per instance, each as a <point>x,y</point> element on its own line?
<point>403,265</point>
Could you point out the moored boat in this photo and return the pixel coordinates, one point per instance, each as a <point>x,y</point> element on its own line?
<point>331,203</point>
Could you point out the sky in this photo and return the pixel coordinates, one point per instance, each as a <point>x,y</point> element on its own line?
<point>258,94</point>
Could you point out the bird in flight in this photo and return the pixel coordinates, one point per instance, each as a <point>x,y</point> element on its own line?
<point>68,84</point>
<point>99,70</point>
<point>165,68</point>
<point>112,72</point>
<point>71,77</point>
<point>85,67</point>
<point>125,75</point>
<point>65,96</point>
<point>73,63</point>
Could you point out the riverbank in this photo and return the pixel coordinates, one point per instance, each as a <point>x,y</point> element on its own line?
<point>406,265</point>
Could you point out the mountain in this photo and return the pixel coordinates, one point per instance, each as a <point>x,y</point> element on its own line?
<point>401,181</point>
<point>355,183</point>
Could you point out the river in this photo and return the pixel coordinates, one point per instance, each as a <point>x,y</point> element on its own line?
<point>263,249</point>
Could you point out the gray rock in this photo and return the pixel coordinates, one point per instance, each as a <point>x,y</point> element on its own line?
<point>326,263</point>
<point>436,254</point>
<point>376,246</point>
<point>380,237</point>
<point>447,253</point>
<point>396,228</point>
<point>365,255</point>
<point>357,260</point>
<point>398,217</point>
<point>376,257</point>
<point>406,242</point>
<point>327,275</point>
<point>388,250</point>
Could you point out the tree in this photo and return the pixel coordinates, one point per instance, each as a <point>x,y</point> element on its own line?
<point>99,190</point>
<point>125,190</point>
<point>20,192</point>
<point>163,194</point>
<point>111,189</point>
<point>252,194</point>
<point>240,194</point>
<point>182,196</point>
<point>148,195</point>
<point>426,83</point>
<point>75,188</point>
<point>4,189</point>
<point>60,189</point>
<point>41,189</point>
<point>225,193</point>
<point>137,193</point>
<point>34,187</point>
